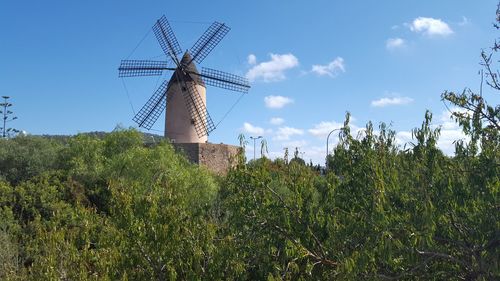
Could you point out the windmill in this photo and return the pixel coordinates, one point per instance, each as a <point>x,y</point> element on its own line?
<point>184,95</point>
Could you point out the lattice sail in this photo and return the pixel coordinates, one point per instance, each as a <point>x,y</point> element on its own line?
<point>133,68</point>
<point>207,42</point>
<point>167,39</point>
<point>224,80</point>
<point>194,103</point>
<point>153,108</point>
<point>203,123</point>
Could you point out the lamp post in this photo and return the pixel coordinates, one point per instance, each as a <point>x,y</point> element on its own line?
<point>327,138</point>
<point>254,139</point>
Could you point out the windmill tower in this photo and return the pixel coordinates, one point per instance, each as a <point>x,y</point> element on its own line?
<point>184,95</point>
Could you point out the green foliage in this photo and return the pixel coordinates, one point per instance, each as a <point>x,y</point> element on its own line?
<point>120,141</point>
<point>24,157</point>
<point>268,210</point>
<point>160,207</point>
<point>10,267</point>
<point>112,208</point>
<point>380,213</point>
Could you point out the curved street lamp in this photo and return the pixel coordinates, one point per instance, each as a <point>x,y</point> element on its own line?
<point>327,138</point>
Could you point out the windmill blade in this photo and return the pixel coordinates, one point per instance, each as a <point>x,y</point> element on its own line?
<point>167,39</point>
<point>203,123</point>
<point>224,80</point>
<point>133,68</point>
<point>207,42</point>
<point>153,108</point>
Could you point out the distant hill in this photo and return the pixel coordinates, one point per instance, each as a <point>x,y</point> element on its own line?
<point>148,137</point>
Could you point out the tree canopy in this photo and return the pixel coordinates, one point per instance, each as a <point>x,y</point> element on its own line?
<point>112,208</point>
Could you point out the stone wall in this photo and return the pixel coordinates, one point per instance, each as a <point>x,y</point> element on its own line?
<point>216,157</point>
<point>190,150</point>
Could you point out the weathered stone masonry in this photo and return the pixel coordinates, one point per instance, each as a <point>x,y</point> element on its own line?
<point>218,158</point>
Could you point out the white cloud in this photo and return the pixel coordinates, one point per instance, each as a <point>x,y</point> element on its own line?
<point>273,70</point>
<point>446,141</point>
<point>394,43</point>
<point>403,137</point>
<point>446,121</point>
<point>450,133</point>
<point>447,138</point>
<point>284,133</point>
<point>253,130</point>
<point>322,129</point>
<point>391,101</point>
<point>277,101</point>
<point>293,144</point>
<point>252,59</point>
<point>430,27</point>
<point>332,69</point>
<point>277,121</point>
<point>316,154</point>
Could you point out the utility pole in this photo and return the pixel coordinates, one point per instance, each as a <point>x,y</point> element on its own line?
<point>6,117</point>
<point>254,139</point>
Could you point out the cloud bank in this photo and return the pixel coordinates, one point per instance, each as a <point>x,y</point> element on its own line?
<point>331,69</point>
<point>251,129</point>
<point>272,70</point>
<point>394,43</point>
<point>276,102</point>
<point>391,101</point>
<point>430,27</point>
<point>284,133</point>
<point>277,121</point>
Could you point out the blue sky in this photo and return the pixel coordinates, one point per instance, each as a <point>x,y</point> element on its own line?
<point>309,63</point>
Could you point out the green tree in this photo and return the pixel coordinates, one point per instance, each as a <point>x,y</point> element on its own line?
<point>160,208</point>
<point>24,157</point>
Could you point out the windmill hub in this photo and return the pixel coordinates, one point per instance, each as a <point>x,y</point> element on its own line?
<point>184,95</point>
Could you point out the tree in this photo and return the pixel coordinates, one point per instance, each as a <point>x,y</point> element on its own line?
<point>24,157</point>
<point>160,209</point>
<point>7,132</point>
<point>477,118</point>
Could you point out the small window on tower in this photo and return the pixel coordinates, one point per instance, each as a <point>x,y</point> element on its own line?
<point>193,121</point>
